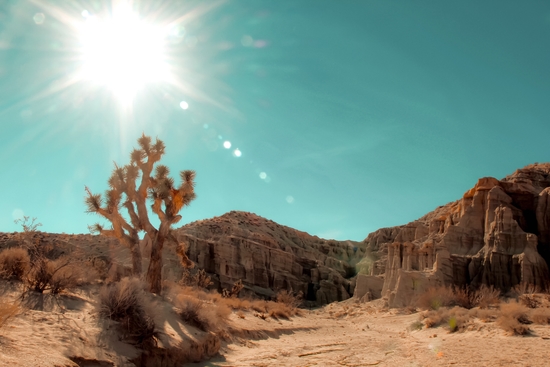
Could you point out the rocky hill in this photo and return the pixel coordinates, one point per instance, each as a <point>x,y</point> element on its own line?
<point>497,234</point>
<point>268,257</point>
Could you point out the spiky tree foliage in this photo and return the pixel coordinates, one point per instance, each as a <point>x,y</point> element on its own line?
<point>130,188</point>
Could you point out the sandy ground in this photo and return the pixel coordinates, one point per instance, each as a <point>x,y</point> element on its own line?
<point>364,336</point>
<point>340,334</point>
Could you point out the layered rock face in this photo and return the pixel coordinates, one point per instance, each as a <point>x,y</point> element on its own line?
<point>497,234</point>
<point>268,257</point>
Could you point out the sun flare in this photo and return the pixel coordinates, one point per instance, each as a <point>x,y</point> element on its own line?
<point>123,53</point>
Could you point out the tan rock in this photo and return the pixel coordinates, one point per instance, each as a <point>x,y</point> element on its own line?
<point>269,257</point>
<point>497,234</point>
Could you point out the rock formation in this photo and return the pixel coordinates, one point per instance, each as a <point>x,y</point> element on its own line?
<point>497,234</point>
<point>268,257</point>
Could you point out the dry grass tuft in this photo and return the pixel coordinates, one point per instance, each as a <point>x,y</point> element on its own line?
<point>455,319</point>
<point>540,316</point>
<point>14,263</point>
<point>485,296</point>
<point>513,318</point>
<point>127,303</point>
<point>205,315</point>
<point>435,297</point>
<point>289,298</point>
<point>195,278</point>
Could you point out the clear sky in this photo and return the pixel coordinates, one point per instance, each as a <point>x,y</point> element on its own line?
<point>347,115</point>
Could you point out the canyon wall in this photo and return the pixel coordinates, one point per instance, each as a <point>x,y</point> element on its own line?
<point>269,257</point>
<point>497,234</point>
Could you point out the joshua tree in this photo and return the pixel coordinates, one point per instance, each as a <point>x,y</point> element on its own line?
<point>125,191</point>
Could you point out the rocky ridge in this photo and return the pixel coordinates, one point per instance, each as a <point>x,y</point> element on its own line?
<point>497,234</point>
<point>269,257</point>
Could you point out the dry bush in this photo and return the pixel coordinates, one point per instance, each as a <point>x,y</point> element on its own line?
<point>463,297</point>
<point>259,306</point>
<point>237,303</point>
<point>14,263</point>
<point>207,316</point>
<point>513,318</point>
<point>7,311</point>
<point>235,290</point>
<point>127,303</point>
<point>540,316</point>
<point>280,310</point>
<point>455,319</point>
<point>54,275</point>
<point>289,298</point>
<point>485,296</point>
<point>197,278</point>
<point>435,297</point>
<point>484,314</point>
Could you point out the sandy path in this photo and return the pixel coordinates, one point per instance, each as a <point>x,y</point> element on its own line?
<point>364,337</point>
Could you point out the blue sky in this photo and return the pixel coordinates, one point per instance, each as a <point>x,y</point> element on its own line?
<point>349,115</point>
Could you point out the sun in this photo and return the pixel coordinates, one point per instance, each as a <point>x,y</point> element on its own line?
<point>123,52</point>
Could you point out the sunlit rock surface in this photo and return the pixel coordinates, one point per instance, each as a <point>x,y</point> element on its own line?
<point>269,257</point>
<point>497,234</point>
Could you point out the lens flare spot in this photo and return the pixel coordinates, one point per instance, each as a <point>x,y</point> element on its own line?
<point>237,153</point>
<point>85,13</point>
<point>263,175</point>
<point>17,214</point>
<point>289,199</point>
<point>184,105</point>
<point>247,41</point>
<point>39,18</point>
<point>227,144</point>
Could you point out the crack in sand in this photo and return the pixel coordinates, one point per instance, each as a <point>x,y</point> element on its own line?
<point>320,352</point>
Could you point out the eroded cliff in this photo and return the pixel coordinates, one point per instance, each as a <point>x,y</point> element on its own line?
<point>268,257</point>
<point>497,234</point>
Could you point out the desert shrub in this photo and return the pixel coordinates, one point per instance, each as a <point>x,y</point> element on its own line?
<point>484,314</point>
<point>65,276</point>
<point>416,325</point>
<point>513,318</point>
<point>235,290</point>
<point>526,295</point>
<point>7,311</point>
<point>259,306</point>
<point>207,316</point>
<point>455,319</point>
<point>540,316</point>
<point>14,263</point>
<point>435,297</point>
<point>277,310</point>
<point>237,303</point>
<point>53,275</point>
<point>289,298</point>
<point>485,296</point>
<point>198,278</point>
<point>127,303</point>
<point>463,297</point>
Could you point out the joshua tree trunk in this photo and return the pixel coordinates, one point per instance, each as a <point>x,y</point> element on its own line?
<point>136,259</point>
<point>154,272</point>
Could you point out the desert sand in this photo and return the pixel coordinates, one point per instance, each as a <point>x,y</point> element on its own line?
<point>355,334</point>
<point>348,333</point>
